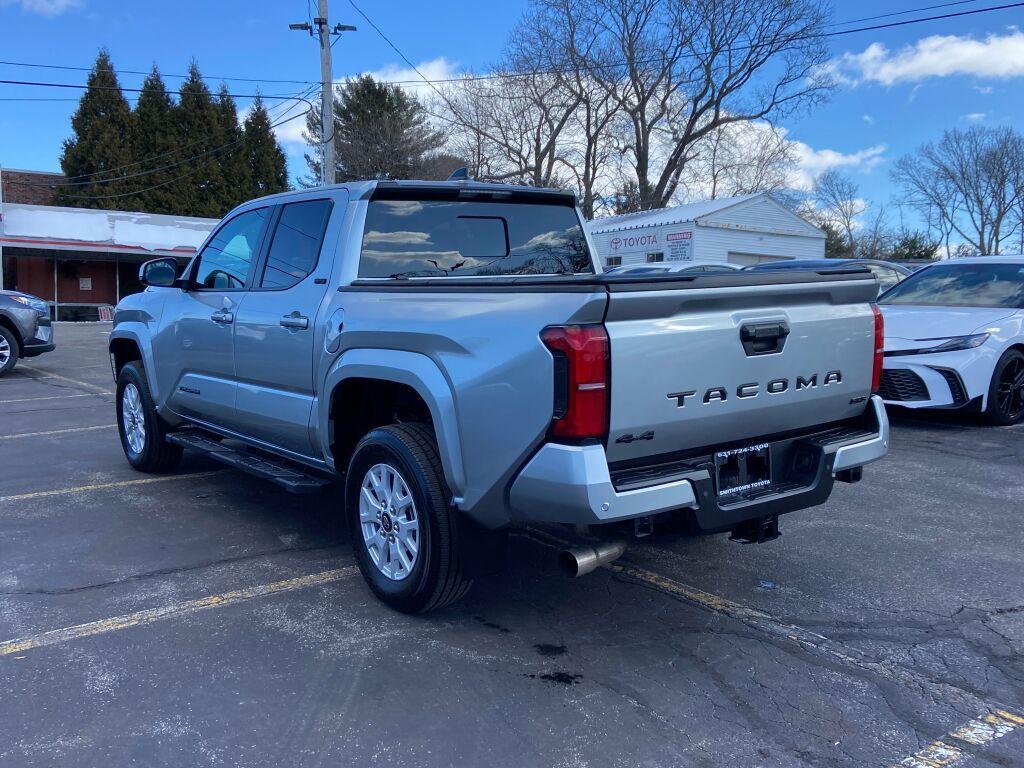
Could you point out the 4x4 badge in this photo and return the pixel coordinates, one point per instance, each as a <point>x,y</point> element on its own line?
<point>648,435</point>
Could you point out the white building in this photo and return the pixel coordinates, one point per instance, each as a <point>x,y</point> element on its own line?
<point>740,230</point>
<point>81,259</point>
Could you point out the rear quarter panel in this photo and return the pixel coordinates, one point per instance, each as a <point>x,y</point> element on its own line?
<point>486,343</point>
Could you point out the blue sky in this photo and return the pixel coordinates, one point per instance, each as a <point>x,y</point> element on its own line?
<point>900,87</point>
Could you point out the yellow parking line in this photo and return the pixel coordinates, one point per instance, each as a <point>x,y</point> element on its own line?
<point>141,618</point>
<point>115,484</point>
<point>978,732</point>
<point>53,397</point>
<point>57,431</point>
<point>51,375</point>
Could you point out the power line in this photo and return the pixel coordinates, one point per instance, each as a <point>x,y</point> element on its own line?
<point>35,65</point>
<point>611,65</point>
<point>284,110</point>
<point>213,151</point>
<point>85,87</point>
<point>93,182</point>
<point>504,75</point>
<point>901,13</point>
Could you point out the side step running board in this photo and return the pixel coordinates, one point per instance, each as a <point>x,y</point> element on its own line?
<point>291,479</point>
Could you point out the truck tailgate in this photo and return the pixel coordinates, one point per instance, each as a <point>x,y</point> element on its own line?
<point>718,361</point>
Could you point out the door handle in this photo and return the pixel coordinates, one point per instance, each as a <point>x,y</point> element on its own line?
<point>223,317</point>
<point>295,320</point>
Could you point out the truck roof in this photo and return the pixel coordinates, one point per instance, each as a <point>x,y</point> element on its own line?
<point>365,189</point>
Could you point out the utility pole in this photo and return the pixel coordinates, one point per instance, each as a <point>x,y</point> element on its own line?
<point>324,32</point>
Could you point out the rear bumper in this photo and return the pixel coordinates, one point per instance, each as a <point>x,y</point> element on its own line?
<point>573,484</point>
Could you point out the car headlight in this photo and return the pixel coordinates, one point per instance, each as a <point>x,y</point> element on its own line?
<point>31,301</point>
<point>955,344</point>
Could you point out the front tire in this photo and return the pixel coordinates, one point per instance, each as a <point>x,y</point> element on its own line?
<point>1006,392</point>
<point>402,523</point>
<point>140,426</point>
<point>8,351</point>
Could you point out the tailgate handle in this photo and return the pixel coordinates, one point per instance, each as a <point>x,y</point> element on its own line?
<point>763,338</point>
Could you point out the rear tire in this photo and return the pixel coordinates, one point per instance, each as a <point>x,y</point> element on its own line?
<point>9,349</point>
<point>1006,392</point>
<point>404,528</point>
<point>140,426</point>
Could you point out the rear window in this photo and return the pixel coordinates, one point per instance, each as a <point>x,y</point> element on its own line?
<point>962,285</point>
<point>442,238</point>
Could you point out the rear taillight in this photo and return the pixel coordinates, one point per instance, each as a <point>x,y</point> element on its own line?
<point>581,367</point>
<point>876,372</point>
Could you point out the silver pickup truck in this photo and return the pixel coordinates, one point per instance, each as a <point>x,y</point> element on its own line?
<point>453,354</point>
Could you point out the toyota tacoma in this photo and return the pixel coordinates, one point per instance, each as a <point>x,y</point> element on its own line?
<point>452,354</point>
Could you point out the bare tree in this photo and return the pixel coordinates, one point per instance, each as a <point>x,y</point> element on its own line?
<point>838,201</point>
<point>739,159</point>
<point>678,70</point>
<point>972,180</point>
<point>875,236</point>
<point>512,125</point>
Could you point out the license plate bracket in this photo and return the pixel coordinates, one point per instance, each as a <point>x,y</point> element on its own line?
<point>743,469</point>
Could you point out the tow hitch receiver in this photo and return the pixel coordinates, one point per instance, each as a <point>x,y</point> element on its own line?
<point>756,531</point>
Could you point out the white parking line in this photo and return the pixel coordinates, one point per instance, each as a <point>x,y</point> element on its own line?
<point>57,431</point>
<point>49,375</point>
<point>114,484</point>
<point>53,397</point>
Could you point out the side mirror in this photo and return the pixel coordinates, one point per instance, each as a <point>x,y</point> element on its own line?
<point>160,273</point>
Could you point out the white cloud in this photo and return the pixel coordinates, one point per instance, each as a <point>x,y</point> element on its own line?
<point>49,8</point>
<point>868,119</point>
<point>984,89</point>
<point>973,117</point>
<point>811,163</point>
<point>435,69</point>
<point>996,56</point>
<point>400,237</point>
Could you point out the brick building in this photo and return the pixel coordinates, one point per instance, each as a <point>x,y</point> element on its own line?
<point>80,259</point>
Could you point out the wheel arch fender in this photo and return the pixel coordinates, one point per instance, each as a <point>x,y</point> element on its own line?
<point>134,333</point>
<point>414,370</point>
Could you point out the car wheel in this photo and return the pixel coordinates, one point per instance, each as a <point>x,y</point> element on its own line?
<point>8,351</point>
<point>140,426</point>
<point>1006,393</point>
<point>402,522</point>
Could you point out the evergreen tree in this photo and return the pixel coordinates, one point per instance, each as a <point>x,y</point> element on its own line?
<point>102,127</point>
<point>913,246</point>
<point>836,244</point>
<point>380,132</point>
<point>268,171</point>
<point>156,143</point>
<point>201,188</point>
<point>233,161</point>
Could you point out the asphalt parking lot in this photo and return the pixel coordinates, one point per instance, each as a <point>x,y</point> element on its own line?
<point>206,618</point>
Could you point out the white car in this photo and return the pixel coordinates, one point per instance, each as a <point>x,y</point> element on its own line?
<point>667,267</point>
<point>954,338</point>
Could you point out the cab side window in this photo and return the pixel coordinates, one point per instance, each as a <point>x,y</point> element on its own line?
<point>296,245</point>
<point>225,262</point>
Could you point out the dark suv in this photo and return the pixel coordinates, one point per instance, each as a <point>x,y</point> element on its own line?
<point>25,329</point>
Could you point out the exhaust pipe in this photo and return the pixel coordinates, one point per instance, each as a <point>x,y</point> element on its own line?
<point>579,561</point>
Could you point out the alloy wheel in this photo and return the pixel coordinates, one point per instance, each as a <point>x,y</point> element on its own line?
<point>5,351</point>
<point>1010,390</point>
<point>133,418</point>
<point>388,520</point>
